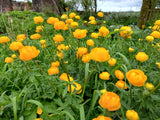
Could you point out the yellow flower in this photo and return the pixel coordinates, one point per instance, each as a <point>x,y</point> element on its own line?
<point>69,21</point>
<point>81,51</point>
<point>116,29</point>
<point>119,74</point>
<point>100,14</point>
<point>121,84</point>
<point>42,42</point>
<point>74,24</point>
<point>85,21</point>
<point>104,31</point>
<point>157,22</point>
<point>132,115</point>
<point>103,91</point>
<point>39,28</point>
<point>59,25</point>
<point>4,39</point>
<point>76,87</point>
<point>64,77</point>
<point>58,38</point>
<point>39,110</point>
<point>140,39</point>
<point>61,47</point>
<point>38,19</point>
<point>8,60</point>
<point>28,53</point>
<point>150,38</point>
<point>35,36</point>
<point>64,16</point>
<point>131,49</point>
<point>21,37</point>
<point>141,56</point>
<point>72,15</point>
<point>104,76</point>
<point>77,17</point>
<point>78,33</point>
<point>38,119</point>
<point>94,35</point>
<point>93,22</point>
<point>91,18</point>
<point>156,28</point>
<point>53,70</point>
<point>126,32</point>
<point>86,58</point>
<point>55,64</point>
<point>158,64</point>
<point>44,45</point>
<point>101,117</point>
<point>110,101</point>
<point>136,77</point>
<point>52,20</point>
<point>112,61</point>
<point>60,55</point>
<point>99,54</point>
<point>66,27</point>
<point>1,107</point>
<point>149,86</point>
<point>15,45</point>
<point>155,34</point>
<point>14,56</point>
<point>90,42</point>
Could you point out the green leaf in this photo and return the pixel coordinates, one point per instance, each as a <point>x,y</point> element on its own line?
<point>125,59</point>
<point>68,114</point>
<point>32,116</point>
<point>82,114</point>
<point>14,107</point>
<point>40,105</point>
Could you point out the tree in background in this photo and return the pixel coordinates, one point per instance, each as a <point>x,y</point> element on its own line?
<point>6,5</point>
<point>146,5</point>
<point>47,6</point>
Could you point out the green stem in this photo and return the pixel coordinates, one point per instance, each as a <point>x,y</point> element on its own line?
<point>139,64</point>
<point>10,81</point>
<point>48,80</point>
<point>84,85</point>
<point>131,87</point>
<point>66,71</point>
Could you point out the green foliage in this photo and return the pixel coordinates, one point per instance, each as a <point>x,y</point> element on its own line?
<point>25,85</point>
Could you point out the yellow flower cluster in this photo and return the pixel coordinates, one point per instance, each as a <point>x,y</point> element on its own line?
<point>100,14</point>
<point>99,54</point>
<point>110,101</point>
<point>35,36</point>
<point>21,37</point>
<point>52,20</point>
<point>28,53</point>
<point>59,25</point>
<point>38,20</point>
<point>126,31</point>
<point>136,77</point>
<point>39,28</point>
<point>90,42</point>
<point>74,24</point>
<point>81,51</point>
<point>78,33</point>
<point>72,15</point>
<point>8,60</point>
<point>132,115</point>
<point>141,56</point>
<point>112,61</point>
<point>58,38</point>
<point>4,39</point>
<point>101,117</point>
<point>104,76</point>
<point>15,45</point>
<point>103,31</point>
